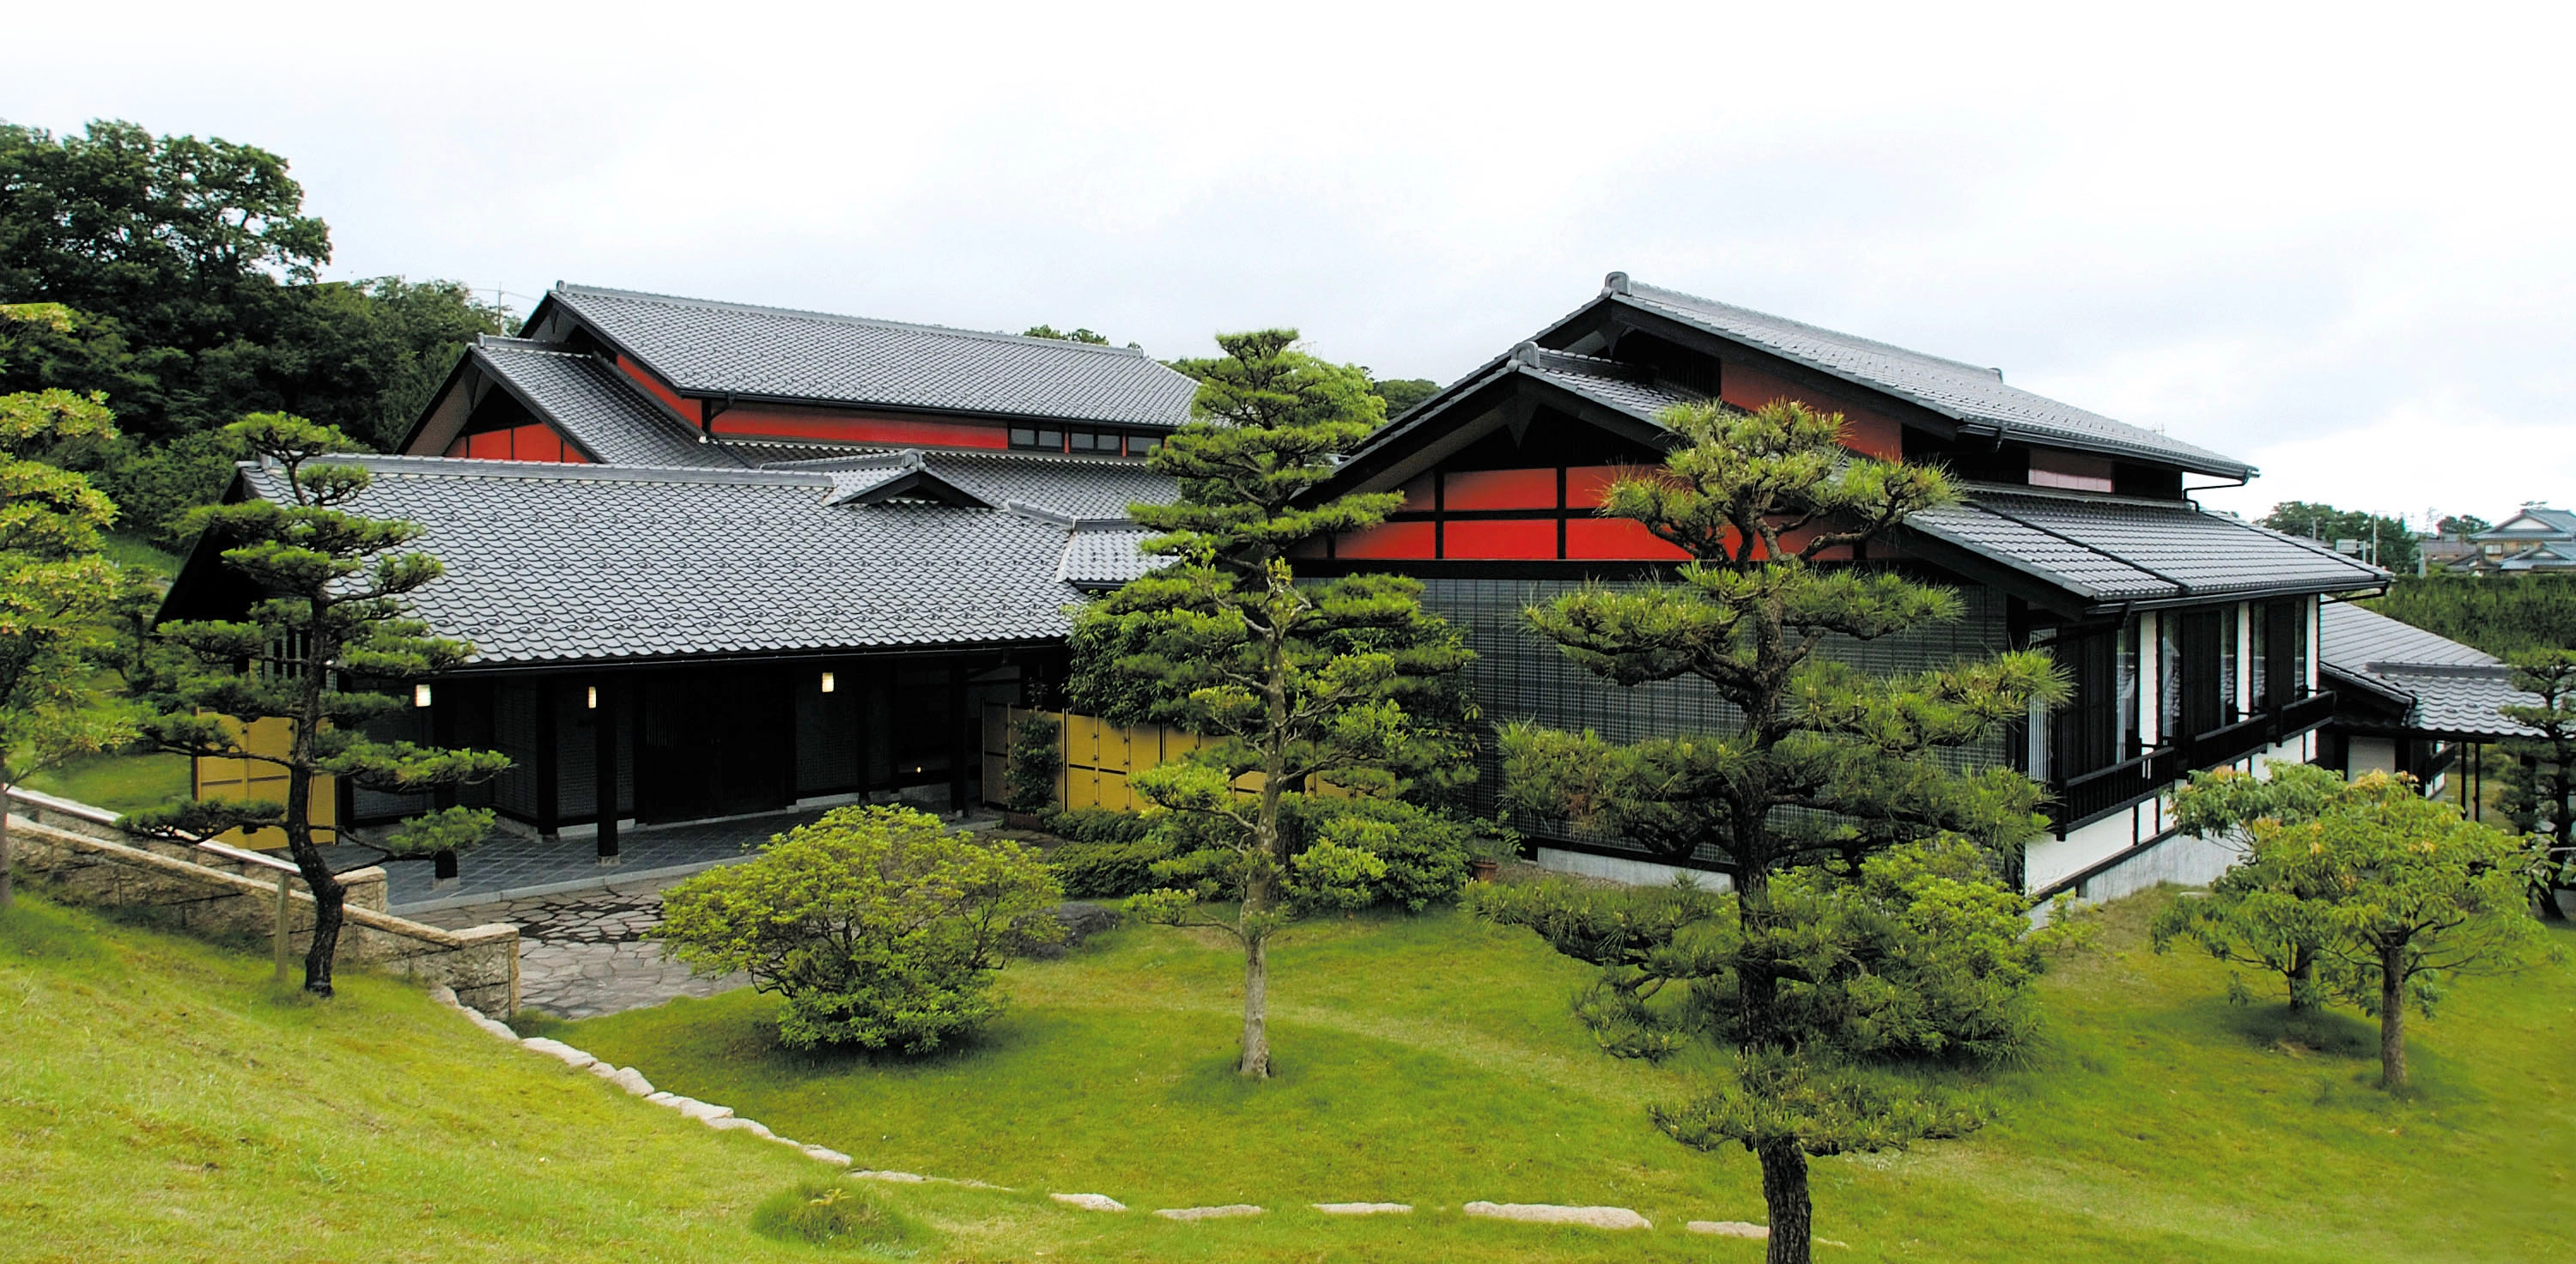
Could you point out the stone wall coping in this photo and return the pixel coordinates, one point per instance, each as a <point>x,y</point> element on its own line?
<point>355,914</point>
<point>68,807</point>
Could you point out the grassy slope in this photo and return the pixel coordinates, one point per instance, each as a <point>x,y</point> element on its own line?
<point>119,783</point>
<point>1432,1061</point>
<point>163,1100</point>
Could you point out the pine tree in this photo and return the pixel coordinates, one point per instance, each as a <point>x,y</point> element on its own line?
<point>332,614</point>
<point>1293,679</point>
<point>2540,785</point>
<point>1826,767</point>
<point>56,592</point>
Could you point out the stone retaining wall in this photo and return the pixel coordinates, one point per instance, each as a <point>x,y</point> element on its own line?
<point>82,858</point>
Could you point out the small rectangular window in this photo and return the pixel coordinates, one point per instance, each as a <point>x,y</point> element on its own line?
<point>1024,437</point>
<point>1143,444</point>
<point>1090,440</point>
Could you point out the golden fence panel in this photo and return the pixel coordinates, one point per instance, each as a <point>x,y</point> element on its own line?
<point>240,779</point>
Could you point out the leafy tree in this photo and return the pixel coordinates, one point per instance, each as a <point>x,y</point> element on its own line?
<point>1293,679</point>
<point>2540,784</point>
<point>332,611</point>
<point>1402,393</point>
<point>2391,537</point>
<point>1824,764</point>
<point>2426,897</point>
<point>186,273</point>
<point>1037,756</point>
<point>1075,335</point>
<point>56,593</point>
<point>2504,615</point>
<point>2462,526</point>
<point>876,926</point>
<point>2269,909</point>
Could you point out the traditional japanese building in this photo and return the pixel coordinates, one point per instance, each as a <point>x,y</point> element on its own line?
<point>2191,635</point>
<point>719,560</point>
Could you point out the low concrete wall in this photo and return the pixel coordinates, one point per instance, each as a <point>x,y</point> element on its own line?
<point>81,856</point>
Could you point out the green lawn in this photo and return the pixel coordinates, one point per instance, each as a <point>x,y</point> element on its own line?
<point>160,1099</point>
<point>119,783</point>
<point>1431,1061</point>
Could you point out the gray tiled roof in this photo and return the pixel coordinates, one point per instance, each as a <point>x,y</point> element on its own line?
<point>1099,559</point>
<point>1643,400</point>
<point>1075,487</point>
<point>2453,687</point>
<point>604,412</point>
<point>714,348</point>
<point>2116,549</point>
<point>570,563</point>
<point>1963,391</point>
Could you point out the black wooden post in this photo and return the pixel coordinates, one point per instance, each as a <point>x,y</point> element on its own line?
<point>603,764</point>
<point>962,739</point>
<point>863,690</point>
<point>549,761</point>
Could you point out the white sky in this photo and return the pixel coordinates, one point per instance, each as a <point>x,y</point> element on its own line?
<point>2331,239</point>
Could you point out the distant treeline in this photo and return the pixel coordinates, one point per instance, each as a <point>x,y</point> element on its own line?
<point>2501,615</point>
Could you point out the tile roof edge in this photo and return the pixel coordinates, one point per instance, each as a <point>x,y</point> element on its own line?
<point>478,467</point>
<point>680,300</point>
<point>1908,352</point>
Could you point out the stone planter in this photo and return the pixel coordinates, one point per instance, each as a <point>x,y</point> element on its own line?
<point>1485,867</point>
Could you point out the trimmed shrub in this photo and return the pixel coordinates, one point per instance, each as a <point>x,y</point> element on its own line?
<point>1035,760</point>
<point>1099,825</point>
<point>1425,853</point>
<point>877,926</point>
<point>829,1214</point>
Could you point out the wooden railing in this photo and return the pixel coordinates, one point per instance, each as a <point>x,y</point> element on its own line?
<point>2088,797</point>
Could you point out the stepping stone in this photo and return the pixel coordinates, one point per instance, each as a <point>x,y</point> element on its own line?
<point>1729,1229</point>
<point>1090,1202</point>
<point>571,1057</point>
<point>1364,1209</point>
<point>1227,1212</point>
<point>903,1178</point>
<point>1550,1213</point>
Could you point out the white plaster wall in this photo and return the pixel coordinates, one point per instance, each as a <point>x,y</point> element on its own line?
<point>2183,859</point>
<point>2368,755</point>
<point>2050,859</point>
<point>1637,873</point>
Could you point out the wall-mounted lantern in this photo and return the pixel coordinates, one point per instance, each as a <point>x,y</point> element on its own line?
<point>829,682</point>
<point>420,695</point>
<point>593,701</point>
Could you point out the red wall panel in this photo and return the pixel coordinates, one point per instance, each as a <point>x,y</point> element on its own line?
<point>1515,538</point>
<point>688,408</point>
<point>1585,484</point>
<point>1616,539</point>
<point>1388,540</point>
<point>532,442</point>
<point>1500,489</point>
<point>787,421</point>
<point>1864,429</point>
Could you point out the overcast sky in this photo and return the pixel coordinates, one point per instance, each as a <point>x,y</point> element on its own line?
<point>2331,240</point>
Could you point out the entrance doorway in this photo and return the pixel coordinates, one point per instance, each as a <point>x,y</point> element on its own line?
<point>715,743</point>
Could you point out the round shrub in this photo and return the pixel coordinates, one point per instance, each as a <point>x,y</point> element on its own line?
<point>1425,853</point>
<point>832,1215</point>
<point>876,926</point>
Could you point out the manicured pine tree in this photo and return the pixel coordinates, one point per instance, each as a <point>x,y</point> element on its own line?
<point>1292,679</point>
<point>2540,785</point>
<point>332,612</point>
<point>56,591</point>
<point>1826,765</point>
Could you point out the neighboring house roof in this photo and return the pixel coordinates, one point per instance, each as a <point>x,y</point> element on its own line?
<point>2124,550</point>
<point>2539,557</point>
<point>1967,392</point>
<point>2447,687</point>
<point>552,563</point>
<point>2532,522</point>
<point>711,348</point>
<point>601,410</point>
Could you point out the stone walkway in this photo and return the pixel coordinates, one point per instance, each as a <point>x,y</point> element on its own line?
<point>513,863</point>
<point>583,953</point>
